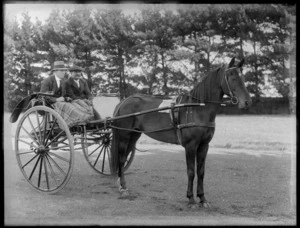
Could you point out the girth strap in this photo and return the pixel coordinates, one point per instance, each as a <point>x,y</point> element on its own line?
<point>192,124</point>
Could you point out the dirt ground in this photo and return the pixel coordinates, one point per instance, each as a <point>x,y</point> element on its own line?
<point>243,187</point>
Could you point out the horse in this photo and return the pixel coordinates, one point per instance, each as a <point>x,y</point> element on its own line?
<point>192,127</point>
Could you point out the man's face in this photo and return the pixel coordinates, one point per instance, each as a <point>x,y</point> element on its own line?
<point>60,73</point>
<point>76,74</point>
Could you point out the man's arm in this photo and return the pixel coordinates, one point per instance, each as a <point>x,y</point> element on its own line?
<point>87,90</point>
<point>46,87</point>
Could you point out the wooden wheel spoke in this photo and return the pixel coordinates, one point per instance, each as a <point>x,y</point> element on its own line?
<point>57,156</point>
<point>26,152</point>
<point>34,167</point>
<point>39,125</point>
<point>103,161</point>
<point>21,140</point>
<point>59,141</point>
<point>29,161</point>
<point>58,147</point>
<point>94,150</point>
<point>45,129</point>
<point>60,169</point>
<point>56,137</point>
<point>103,141</point>
<point>46,172</point>
<point>30,136</point>
<point>108,155</point>
<point>33,129</point>
<point>40,171</point>
<point>51,171</point>
<point>98,156</point>
<point>46,141</point>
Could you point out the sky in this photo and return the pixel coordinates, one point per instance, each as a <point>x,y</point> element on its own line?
<point>42,9</point>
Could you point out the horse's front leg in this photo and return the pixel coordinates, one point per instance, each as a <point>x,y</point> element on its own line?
<point>201,156</point>
<point>190,162</point>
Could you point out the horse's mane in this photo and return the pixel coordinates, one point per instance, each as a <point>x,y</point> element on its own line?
<point>201,90</point>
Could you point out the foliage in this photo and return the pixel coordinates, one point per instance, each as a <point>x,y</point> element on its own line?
<point>156,50</point>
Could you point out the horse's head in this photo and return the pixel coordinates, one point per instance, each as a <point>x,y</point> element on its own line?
<point>233,85</point>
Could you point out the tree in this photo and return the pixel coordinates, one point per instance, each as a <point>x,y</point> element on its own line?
<point>156,38</point>
<point>79,35</point>
<point>115,35</point>
<point>286,84</point>
<point>22,74</point>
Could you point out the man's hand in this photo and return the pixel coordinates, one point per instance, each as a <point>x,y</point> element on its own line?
<point>60,99</point>
<point>68,99</point>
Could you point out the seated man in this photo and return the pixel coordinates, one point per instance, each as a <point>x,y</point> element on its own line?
<point>55,83</point>
<point>73,113</point>
<point>77,89</point>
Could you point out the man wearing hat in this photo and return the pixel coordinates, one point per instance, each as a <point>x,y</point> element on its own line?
<point>77,88</point>
<point>55,83</point>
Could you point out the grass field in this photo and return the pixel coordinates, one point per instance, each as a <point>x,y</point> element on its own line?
<point>265,132</point>
<point>270,132</point>
<point>251,132</point>
<point>250,174</point>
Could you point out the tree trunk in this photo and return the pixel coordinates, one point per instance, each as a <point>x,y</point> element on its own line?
<point>292,92</point>
<point>88,72</point>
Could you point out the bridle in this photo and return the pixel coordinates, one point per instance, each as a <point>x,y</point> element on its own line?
<point>233,99</point>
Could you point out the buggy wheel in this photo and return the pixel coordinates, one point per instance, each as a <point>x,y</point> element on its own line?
<point>44,149</point>
<point>97,151</point>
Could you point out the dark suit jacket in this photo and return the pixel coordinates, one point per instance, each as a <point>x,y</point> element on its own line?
<point>49,85</point>
<point>74,92</point>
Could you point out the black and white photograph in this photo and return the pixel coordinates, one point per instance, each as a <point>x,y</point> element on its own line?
<point>149,114</point>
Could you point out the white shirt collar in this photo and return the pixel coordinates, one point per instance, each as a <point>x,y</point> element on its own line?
<point>57,80</point>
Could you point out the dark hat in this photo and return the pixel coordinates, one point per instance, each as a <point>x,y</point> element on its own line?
<point>59,65</point>
<point>75,68</point>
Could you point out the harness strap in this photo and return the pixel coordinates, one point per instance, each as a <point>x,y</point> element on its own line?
<point>197,124</point>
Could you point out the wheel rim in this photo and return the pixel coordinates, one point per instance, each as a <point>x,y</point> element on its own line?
<point>44,149</point>
<point>97,151</point>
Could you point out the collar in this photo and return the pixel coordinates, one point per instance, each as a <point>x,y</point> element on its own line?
<point>57,78</point>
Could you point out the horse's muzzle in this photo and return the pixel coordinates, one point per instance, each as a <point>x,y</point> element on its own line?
<point>245,104</point>
<point>248,104</point>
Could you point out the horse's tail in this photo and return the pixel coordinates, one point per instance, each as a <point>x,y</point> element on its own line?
<point>114,165</point>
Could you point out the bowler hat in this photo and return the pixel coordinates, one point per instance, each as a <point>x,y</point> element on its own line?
<point>59,65</point>
<point>75,68</point>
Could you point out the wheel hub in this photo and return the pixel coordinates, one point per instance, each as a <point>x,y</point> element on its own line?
<point>106,140</point>
<point>41,149</point>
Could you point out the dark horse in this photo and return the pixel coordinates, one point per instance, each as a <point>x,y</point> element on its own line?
<point>192,127</point>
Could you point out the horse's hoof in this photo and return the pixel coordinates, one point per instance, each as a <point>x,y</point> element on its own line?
<point>123,192</point>
<point>193,206</point>
<point>204,204</point>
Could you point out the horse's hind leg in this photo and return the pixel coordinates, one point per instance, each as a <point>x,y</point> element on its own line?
<point>201,156</point>
<point>122,159</point>
<point>125,148</point>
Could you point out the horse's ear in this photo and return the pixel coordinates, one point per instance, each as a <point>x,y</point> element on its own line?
<point>241,63</point>
<point>231,62</point>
